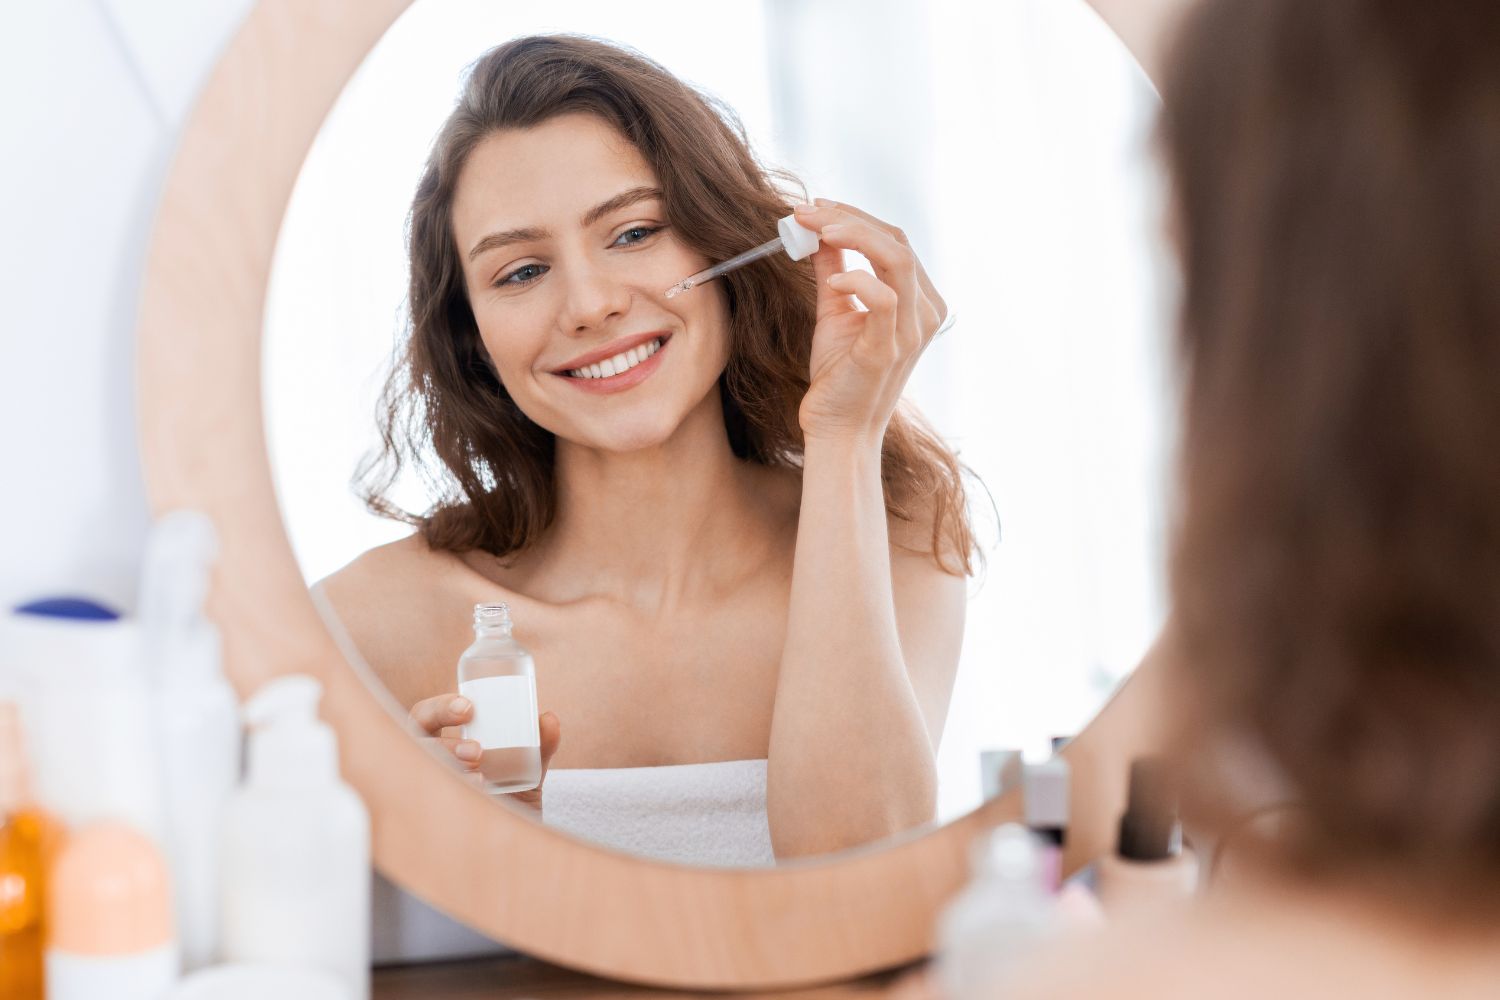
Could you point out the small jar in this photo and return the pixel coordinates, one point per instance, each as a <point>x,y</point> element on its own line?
<point>498,676</point>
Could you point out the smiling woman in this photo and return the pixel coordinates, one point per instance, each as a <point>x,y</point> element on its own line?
<point>740,566</point>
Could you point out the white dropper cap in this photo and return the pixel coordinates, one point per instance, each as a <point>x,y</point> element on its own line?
<point>797,239</point>
<point>179,643</point>
<point>289,746</point>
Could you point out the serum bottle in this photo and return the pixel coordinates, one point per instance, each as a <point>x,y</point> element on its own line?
<point>497,675</point>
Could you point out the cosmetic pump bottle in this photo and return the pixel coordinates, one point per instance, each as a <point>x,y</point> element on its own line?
<point>998,918</point>
<point>295,854</point>
<point>110,918</point>
<point>1045,789</point>
<point>198,724</point>
<point>29,838</point>
<point>1149,866</point>
<point>497,675</point>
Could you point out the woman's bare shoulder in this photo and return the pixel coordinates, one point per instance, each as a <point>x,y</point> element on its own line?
<point>393,601</point>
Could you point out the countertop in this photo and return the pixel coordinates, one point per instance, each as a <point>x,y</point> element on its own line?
<point>515,977</point>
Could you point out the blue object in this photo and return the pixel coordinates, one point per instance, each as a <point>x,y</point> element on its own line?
<point>78,608</point>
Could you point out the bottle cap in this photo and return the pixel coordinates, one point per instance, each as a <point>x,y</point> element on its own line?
<point>1148,829</point>
<point>290,747</point>
<point>798,240</point>
<point>109,893</point>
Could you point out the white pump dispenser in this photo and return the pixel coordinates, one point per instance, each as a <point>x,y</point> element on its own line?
<point>296,860</point>
<point>197,720</point>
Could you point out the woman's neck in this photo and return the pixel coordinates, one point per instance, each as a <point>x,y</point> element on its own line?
<point>657,527</point>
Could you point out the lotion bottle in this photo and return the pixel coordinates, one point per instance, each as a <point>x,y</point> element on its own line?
<point>198,724</point>
<point>110,918</point>
<point>998,918</point>
<point>296,850</point>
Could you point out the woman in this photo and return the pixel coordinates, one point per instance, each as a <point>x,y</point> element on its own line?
<point>736,548</point>
<point>1337,568</point>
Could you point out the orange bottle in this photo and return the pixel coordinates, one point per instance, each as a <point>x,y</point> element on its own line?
<point>29,839</point>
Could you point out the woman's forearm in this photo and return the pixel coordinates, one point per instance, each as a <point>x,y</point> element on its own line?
<point>850,756</point>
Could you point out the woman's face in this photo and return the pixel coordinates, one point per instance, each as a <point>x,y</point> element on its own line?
<point>567,256</point>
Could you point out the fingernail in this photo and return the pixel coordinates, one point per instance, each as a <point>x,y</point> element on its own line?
<point>804,208</point>
<point>832,230</point>
<point>458,706</point>
<point>467,750</point>
<point>824,202</point>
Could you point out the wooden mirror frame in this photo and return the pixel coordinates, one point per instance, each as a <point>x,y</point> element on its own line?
<point>203,446</point>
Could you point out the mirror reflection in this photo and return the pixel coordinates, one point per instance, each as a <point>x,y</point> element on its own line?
<point>688,575</point>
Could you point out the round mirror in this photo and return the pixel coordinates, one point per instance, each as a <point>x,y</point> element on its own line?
<point>1047,393</point>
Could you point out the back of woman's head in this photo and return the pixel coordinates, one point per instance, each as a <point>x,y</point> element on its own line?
<point>1336,169</point>
<point>493,469</point>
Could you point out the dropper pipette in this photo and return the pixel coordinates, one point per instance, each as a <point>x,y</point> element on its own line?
<point>795,239</point>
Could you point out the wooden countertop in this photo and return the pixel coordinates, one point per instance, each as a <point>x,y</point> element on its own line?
<point>514,978</point>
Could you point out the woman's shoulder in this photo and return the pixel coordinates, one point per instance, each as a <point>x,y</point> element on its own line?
<point>393,600</point>
<point>397,565</point>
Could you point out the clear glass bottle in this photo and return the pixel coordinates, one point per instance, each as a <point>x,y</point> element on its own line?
<point>497,674</point>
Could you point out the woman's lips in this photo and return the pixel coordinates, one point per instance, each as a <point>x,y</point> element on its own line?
<point>628,379</point>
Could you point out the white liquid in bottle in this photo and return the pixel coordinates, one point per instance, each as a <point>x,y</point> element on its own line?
<point>498,676</point>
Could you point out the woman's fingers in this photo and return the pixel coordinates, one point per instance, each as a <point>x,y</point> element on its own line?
<point>550,728</point>
<point>466,752</point>
<point>931,310</point>
<point>882,302</point>
<point>894,263</point>
<point>436,713</point>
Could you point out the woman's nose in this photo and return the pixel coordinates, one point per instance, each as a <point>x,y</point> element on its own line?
<point>594,296</point>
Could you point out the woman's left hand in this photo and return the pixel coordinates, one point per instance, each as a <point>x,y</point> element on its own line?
<point>861,358</point>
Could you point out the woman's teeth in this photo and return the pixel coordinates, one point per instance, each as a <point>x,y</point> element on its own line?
<point>622,362</point>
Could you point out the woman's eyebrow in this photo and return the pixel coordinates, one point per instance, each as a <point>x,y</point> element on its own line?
<point>533,234</point>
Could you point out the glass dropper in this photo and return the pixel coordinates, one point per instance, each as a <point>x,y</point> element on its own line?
<point>795,239</point>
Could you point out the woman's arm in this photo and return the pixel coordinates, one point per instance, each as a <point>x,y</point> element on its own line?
<point>851,753</point>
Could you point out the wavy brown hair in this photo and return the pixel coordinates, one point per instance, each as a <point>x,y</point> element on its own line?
<point>1336,168</point>
<point>444,410</point>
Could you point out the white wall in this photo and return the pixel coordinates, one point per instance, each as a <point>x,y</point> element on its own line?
<point>91,97</point>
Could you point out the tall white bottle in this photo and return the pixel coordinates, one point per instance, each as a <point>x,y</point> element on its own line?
<point>296,847</point>
<point>1004,913</point>
<point>197,721</point>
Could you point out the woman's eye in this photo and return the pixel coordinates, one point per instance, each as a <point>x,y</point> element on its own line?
<point>523,275</point>
<point>637,234</point>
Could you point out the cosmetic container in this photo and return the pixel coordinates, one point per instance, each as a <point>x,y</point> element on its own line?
<point>81,666</point>
<point>28,841</point>
<point>998,918</point>
<point>1045,789</point>
<point>1149,866</point>
<point>295,854</point>
<point>499,677</point>
<point>198,729</point>
<point>110,918</point>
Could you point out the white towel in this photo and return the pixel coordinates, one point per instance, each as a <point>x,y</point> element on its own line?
<point>698,814</point>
